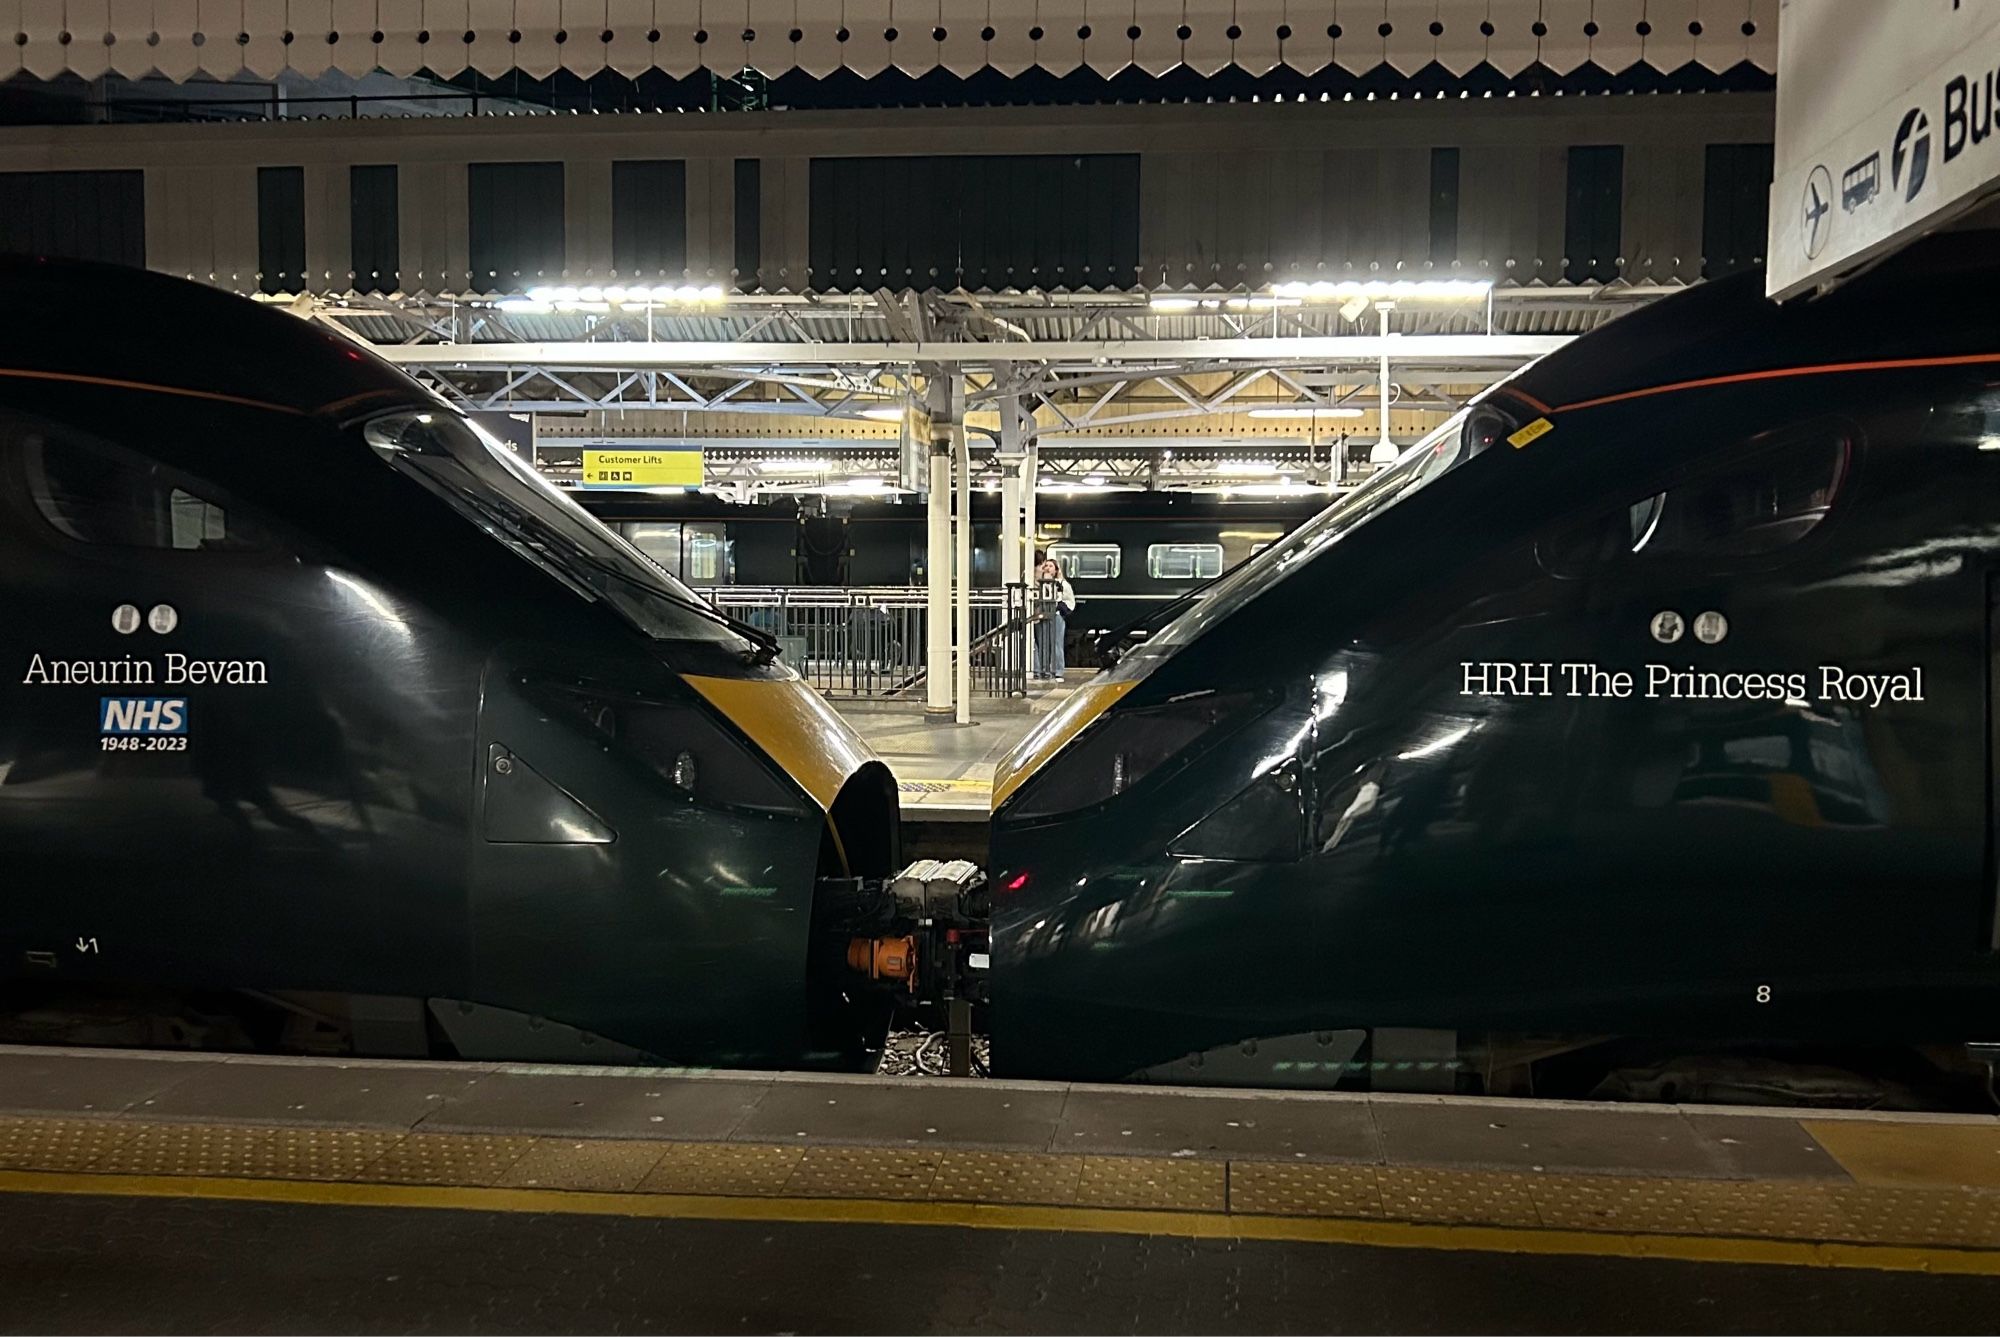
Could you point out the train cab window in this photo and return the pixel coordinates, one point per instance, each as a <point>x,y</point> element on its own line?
<point>97,494</point>
<point>1184,561</point>
<point>1765,501</point>
<point>1088,561</point>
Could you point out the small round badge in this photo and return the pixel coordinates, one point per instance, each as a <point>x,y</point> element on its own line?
<point>1710,627</point>
<point>163,618</point>
<point>125,619</point>
<point>1668,626</point>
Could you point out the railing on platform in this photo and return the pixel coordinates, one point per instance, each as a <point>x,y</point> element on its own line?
<point>869,641</point>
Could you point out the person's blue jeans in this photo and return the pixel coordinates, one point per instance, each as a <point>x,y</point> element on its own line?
<point>1049,632</point>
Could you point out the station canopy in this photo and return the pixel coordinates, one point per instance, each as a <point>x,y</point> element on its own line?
<point>225,39</point>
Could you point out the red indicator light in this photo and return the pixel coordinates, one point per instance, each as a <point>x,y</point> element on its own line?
<point>1020,880</point>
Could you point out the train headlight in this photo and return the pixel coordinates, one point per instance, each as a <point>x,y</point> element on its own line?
<point>1129,747</point>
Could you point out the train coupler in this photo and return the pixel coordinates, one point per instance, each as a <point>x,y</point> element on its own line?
<point>921,934</point>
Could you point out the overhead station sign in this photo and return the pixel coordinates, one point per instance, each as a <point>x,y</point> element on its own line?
<point>1886,129</point>
<point>643,468</point>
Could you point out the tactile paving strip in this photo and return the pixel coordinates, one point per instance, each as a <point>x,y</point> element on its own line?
<point>1608,1202</point>
<point>1148,1182</point>
<point>1299,1188</point>
<point>449,1158</point>
<point>235,1151</point>
<point>60,1144</point>
<point>728,1168</point>
<point>1802,1211</point>
<point>864,1172</point>
<point>594,1166</point>
<point>1454,1197</point>
<point>1965,1218</point>
<point>1919,1216</point>
<point>1019,1177</point>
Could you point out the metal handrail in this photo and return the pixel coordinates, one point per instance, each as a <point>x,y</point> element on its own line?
<point>869,641</point>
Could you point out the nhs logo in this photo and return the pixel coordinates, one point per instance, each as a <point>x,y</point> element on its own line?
<point>142,715</point>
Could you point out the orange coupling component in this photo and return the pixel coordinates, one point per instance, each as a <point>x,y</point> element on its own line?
<point>884,958</point>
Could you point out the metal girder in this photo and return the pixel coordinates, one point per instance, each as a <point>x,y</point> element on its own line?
<point>1431,352</point>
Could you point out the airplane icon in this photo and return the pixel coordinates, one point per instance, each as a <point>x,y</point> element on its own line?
<point>1818,213</point>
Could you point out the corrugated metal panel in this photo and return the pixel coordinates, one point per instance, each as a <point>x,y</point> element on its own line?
<point>281,229</point>
<point>649,218</point>
<point>515,220</point>
<point>76,215</point>
<point>975,221</point>
<point>374,240</point>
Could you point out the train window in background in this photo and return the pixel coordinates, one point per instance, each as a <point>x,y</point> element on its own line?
<point>698,552</point>
<point>101,495</point>
<point>661,542</point>
<point>1749,507</point>
<point>1089,561</point>
<point>1184,561</point>
<point>709,558</point>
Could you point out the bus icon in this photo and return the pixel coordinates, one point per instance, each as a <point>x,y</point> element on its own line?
<point>1859,183</point>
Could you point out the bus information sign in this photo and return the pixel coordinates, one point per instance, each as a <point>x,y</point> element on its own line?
<point>1885,130</point>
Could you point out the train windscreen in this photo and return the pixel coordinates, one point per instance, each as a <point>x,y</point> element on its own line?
<point>1456,440</point>
<point>505,497</point>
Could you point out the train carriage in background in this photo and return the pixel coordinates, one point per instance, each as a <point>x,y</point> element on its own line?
<point>1128,555</point>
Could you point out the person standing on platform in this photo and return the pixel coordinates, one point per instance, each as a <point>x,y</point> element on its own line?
<point>1054,602</point>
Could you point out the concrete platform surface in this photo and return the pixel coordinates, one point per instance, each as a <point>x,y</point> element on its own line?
<point>1857,1179</point>
<point>179,1192</point>
<point>944,772</point>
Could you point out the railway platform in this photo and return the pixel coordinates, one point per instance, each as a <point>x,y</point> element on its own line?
<point>210,1193</point>
<point>944,772</point>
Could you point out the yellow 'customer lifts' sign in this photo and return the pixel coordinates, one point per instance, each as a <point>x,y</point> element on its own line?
<point>642,468</point>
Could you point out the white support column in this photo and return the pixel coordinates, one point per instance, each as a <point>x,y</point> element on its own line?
<point>1031,473</point>
<point>1011,502</point>
<point>962,567</point>
<point>1384,452</point>
<point>937,619</point>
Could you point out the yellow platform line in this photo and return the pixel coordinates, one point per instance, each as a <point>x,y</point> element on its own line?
<point>993,1216</point>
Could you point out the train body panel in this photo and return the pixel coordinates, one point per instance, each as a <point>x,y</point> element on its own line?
<point>323,697</point>
<point>1666,717</point>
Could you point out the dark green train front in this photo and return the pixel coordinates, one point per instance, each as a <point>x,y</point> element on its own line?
<point>326,722</point>
<point>1649,697</point>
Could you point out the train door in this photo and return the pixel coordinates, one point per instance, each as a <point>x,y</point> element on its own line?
<point>172,804</point>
